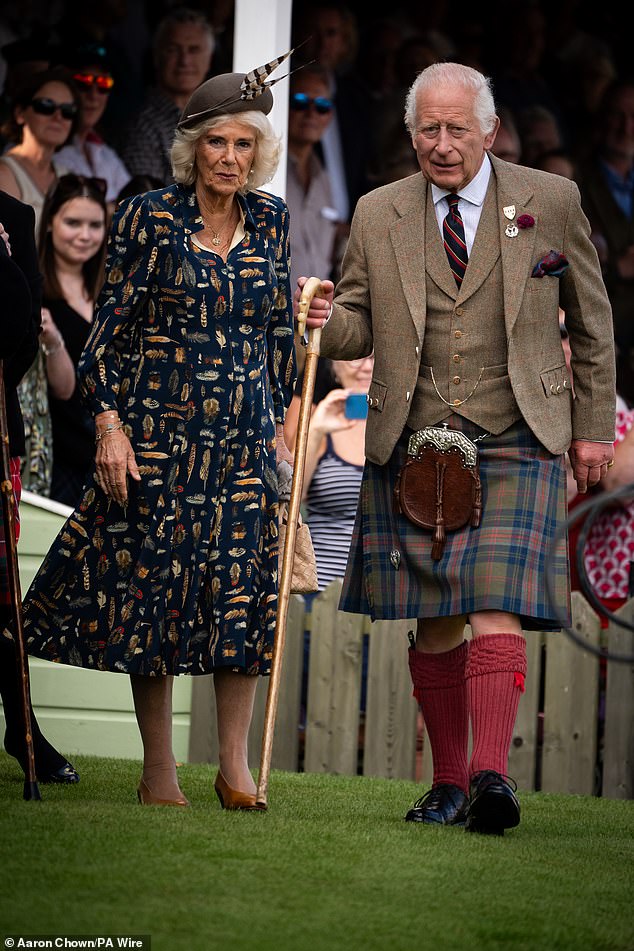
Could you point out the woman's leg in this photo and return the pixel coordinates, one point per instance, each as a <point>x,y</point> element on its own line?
<point>235,694</point>
<point>153,708</point>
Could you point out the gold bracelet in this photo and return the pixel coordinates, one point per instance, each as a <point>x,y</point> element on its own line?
<point>107,432</point>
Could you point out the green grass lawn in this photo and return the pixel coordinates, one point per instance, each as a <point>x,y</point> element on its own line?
<point>332,865</point>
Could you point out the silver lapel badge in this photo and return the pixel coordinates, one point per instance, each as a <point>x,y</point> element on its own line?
<point>512,231</point>
<point>509,212</point>
<point>395,558</point>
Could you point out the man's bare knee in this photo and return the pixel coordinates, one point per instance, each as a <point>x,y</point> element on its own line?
<point>494,622</point>
<point>439,634</point>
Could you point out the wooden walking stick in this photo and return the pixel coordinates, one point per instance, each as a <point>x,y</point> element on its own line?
<point>311,288</point>
<point>31,789</point>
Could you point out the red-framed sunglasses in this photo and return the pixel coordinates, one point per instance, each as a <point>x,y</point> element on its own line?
<point>103,83</point>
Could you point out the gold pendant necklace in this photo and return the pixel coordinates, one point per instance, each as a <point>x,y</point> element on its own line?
<point>216,239</point>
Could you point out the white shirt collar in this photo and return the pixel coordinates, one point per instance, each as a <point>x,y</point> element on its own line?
<point>475,191</point>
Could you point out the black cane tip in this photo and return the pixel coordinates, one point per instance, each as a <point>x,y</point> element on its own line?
<point>31,791</point>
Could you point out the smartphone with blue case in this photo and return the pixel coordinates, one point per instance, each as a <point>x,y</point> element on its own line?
<point>356,406</point>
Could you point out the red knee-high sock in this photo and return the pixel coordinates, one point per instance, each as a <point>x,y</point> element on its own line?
<point>440,688</point>
<point>496,668</point>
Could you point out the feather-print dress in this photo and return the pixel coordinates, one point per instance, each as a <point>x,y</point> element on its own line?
<point>197,357</point>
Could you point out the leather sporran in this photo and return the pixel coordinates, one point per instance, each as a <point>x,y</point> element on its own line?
<point>304,576</point>
<point>438,487</point>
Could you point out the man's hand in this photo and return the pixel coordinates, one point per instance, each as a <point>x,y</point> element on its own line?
<point>319,307</point>
<point>589,462</point>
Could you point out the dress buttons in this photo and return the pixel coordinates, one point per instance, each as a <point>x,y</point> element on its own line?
<point>553,389</point>
<point>456,358</point>
<point>459,311</point>
<point>456,379</point>
<point>457,402</point>
<point>457,334</point>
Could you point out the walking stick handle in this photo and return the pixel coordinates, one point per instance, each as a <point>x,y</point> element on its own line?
<point>312,287</point>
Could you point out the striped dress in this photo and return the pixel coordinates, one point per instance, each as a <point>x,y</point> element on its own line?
<point>330,510</point>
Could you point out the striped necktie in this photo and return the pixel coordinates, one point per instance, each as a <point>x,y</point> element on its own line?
<point>454,240</point>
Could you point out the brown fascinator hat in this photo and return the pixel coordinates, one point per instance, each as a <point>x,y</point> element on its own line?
<point>231,93</point>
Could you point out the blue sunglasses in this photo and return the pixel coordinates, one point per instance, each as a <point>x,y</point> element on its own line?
<point>300,102</point>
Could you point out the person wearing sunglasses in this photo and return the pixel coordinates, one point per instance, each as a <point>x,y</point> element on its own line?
<point>87,153</point>
<point>331,34</point>
<point>313,217</point>
<point>45,115</point>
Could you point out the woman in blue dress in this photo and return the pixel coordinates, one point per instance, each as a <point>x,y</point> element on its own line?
<point>168,565</point>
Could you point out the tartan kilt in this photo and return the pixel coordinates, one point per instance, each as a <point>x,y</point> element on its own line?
<point>5,591</point>
<point>500,566</point>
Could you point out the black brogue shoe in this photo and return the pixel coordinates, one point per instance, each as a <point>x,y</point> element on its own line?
<point>444,804</point>
<point>493,805</point>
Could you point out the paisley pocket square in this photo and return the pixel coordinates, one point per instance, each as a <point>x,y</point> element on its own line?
<point>554,263</point>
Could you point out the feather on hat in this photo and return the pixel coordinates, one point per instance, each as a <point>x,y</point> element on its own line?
<point>231,93</point>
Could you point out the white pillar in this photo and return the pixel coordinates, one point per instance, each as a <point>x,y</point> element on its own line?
<point>262,31</point>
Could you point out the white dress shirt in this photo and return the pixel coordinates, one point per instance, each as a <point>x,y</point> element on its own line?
<point>470,205</point>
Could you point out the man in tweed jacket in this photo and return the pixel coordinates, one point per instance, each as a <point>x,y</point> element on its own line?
<point>477,348</point>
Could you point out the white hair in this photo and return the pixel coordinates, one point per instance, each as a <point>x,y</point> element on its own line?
<point>268,148</point>
<point>453,74</point>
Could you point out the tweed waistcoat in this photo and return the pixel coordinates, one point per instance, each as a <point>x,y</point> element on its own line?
<point>465,336</point>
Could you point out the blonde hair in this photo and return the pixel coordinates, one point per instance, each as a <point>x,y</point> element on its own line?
<point>268,149</point>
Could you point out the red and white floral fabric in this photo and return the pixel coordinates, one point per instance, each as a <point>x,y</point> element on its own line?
<point>610,546</point>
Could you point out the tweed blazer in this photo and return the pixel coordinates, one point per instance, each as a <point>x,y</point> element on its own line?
<point>380,303</point>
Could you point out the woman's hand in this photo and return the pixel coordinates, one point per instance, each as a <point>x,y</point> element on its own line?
<point>50,336</point>
<point>60,369</point>
<point>115,460</point>
<point>329,416</point>
<point>282,452</point>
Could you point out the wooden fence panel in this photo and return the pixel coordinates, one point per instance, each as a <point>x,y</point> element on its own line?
<point>389,747</point>
<point>571,706</point>
<point>334,686</point>
<point>286,737</point>
<point>523,752</point>
<point>618,750</point>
